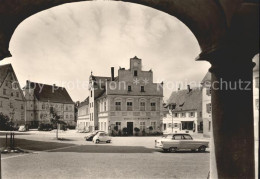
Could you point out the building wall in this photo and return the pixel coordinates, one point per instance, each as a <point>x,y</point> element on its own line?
<point>206,110</point>
<point>256,103</point>
<point>177,119</point>
<point>143,90</point>
<point>39,111</point>
<point>12,101</point>
<point>83,122</point>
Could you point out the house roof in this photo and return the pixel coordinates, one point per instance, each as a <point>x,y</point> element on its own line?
<point>84,103</point>
<point>185,100</point>
<point>207,78</point>
<point>4,69</point>
<point>49,93</point>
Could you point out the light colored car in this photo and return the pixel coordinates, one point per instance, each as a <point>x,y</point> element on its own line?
<point>101,137</point>
<point>22,128</point>
<point>174,142</point>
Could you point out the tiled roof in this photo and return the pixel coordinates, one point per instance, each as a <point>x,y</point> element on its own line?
<point>184,100</point>
<point>84,103</point>
<point>50,93</point>
<point>4,71</point>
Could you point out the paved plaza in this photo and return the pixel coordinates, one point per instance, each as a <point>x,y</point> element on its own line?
<point>73,157</point>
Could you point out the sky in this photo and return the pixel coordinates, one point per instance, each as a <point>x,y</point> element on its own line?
<point>62,45</point>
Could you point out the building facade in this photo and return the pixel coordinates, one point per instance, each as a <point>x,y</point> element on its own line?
<point>12,101</point>
<point>40,98</point>
<point>184,113</point>
<point>126,102</point>
<point>206,105</point>
<point>83,119</point>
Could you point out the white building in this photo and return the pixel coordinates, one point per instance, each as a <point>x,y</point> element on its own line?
<point>185,113</point>
<point>206,105</point>
<point>83,121</point>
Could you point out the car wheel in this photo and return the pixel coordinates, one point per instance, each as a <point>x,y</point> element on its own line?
<point>172,149</point>
<point>108,141</point>
<point>193,150</point>
<point>202,148</point>
<point>97,141</point>
<point>165,150</point>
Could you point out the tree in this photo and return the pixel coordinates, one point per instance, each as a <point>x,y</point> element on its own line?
<point>55,119</point>
<point>5,123</point>
<point>137,130</point>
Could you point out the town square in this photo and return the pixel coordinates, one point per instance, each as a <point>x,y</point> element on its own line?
<point>129,89</point>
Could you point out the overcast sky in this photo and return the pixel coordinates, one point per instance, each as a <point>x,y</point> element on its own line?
<point>63,44</point>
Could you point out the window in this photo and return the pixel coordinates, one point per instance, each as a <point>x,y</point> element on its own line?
<point>4,91</point>
<point>129,88</point>
<point>142,88</point>
<point>175,114</point>
<point>118,124</point>
<point>6,84</point>
<point>183,114</point>
<point>177,137</point>
<point>209,126</point>
<point>153,124</point>
<point>208,91</point>
<point>22,106</point>
<point>142,106</point>
<point>135,73</point>
<point>129,106</point>
<point>1,104</point>
<point>208,108</point>
<point>200,114</point>
<point>169,125</point>
<point>105,106</point>
<point>91,93</point>
<point>257,82</point>
<point>11,105</point>
<point>66,108</point>
<point>153,106</point>
<point>192,114</point>
<point>67,116</point>
<point>142,126</point>
<point>71,116</point>
<point>12,94</point>
<point>118,106</point>
<point>17,94</point>
<point>187,137</point>
<point>105,126</point>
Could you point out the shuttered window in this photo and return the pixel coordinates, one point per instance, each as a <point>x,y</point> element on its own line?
<point>209,108</point>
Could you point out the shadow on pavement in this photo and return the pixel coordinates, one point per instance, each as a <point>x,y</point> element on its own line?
<point>61,147</point>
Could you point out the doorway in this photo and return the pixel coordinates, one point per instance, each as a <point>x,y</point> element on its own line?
<point>130,128</point>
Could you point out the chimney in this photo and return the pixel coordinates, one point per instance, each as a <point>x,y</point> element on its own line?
<point>189,89</point>
<point>112,74</point>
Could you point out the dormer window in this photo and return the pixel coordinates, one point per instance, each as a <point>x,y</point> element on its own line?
<point>135,73</point>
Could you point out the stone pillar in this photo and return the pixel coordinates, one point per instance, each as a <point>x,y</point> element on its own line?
<point>232,116</point>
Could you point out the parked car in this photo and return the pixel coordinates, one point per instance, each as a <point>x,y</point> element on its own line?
<point>91,135</point>
<point>101,137</point>
<point>174,142</point>
<point>22,128</point>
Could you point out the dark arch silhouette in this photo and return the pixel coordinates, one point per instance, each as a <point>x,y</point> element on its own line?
<point>228,34</point>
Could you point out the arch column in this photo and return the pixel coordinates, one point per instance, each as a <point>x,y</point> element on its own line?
<point>232,115</point>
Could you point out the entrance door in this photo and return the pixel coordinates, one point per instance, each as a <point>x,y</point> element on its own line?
<point>130,128</point>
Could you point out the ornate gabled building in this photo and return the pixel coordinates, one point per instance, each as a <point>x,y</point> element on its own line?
<point>41,97</point>
<point>185,113</point>
<point>12,101</point>
<point>130,100</point>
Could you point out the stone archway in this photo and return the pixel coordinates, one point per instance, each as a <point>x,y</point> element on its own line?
<point>228,35</point>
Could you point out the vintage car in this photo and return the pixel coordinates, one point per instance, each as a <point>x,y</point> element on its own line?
<point>101,137</point>
<point>174,142</point>
<point>90,136</point>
